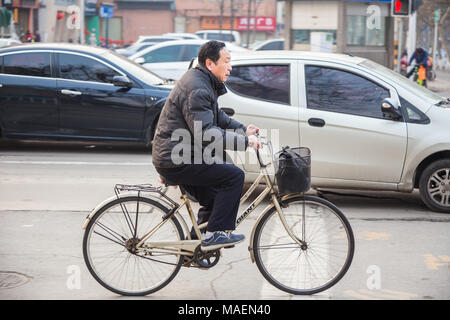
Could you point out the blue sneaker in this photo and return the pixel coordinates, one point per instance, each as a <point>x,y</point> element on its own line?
<point>221,239</point>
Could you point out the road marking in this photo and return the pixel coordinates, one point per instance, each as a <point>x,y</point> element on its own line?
<point>368,235</point>
<point>380,294</point>
<point>104,163</point>
<point>357,295</point>
<point>434,263</point>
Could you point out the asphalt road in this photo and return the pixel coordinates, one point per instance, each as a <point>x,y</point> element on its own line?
<point>47,190</point>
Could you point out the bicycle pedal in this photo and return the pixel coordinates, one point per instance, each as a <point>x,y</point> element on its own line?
<point>229,247</point>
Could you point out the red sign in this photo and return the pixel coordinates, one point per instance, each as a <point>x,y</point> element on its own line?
<point>257,23</point>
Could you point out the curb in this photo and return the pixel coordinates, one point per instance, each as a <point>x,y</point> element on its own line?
<point>438,85</point>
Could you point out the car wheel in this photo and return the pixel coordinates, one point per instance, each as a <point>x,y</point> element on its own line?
<point>150,134</point>
<point>434,186</point>
<point>149,138</point>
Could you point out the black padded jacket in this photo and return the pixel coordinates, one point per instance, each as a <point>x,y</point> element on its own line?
<point>189,117</point>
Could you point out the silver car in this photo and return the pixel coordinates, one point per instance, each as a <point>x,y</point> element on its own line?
<point>368,127</point>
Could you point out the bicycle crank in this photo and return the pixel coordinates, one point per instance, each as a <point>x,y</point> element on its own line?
<point>206,259</point>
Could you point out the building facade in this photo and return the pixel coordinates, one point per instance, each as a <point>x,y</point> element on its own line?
<point>361,28</point>
<point>79,20</point>
<point>24,15</point>
<point>194,15</point>
<point>144,17</point>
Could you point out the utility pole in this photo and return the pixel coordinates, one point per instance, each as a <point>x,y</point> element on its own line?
<point>248,21</point>
<point>437,13</point>
<point>82,22</point>
<point>399,41</point>
<point>221,19</point>
<point>411,42</point>
<point>232,15</point>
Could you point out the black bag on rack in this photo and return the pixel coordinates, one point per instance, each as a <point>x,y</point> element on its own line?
<point>293,170</point>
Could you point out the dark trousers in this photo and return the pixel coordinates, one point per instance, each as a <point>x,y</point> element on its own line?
<point>217,187</point>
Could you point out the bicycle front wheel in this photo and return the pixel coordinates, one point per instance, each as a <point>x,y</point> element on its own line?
<point>322,256</point>
<point>109,246</point>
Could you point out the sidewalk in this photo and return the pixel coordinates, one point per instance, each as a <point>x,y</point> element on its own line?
<point>441,83</point>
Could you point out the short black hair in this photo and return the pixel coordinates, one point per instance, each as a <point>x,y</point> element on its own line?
<point>210,50</point>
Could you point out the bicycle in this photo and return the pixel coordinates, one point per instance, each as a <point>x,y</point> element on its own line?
<point>420,75</point>
<point>135,244</point>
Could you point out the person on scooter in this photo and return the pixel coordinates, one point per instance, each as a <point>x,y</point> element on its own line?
<point>421,57</point>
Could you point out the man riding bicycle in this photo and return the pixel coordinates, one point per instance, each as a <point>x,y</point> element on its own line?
<point>421,57</point>
<point>191,111</point>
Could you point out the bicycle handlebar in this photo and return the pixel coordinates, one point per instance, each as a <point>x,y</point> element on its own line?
<point>258,155</point>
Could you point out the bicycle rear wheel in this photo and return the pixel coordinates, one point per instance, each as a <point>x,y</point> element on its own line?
<point>109,246</point>
<point>324,257</point>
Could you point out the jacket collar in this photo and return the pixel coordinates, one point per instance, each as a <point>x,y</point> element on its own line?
<point>219,87</point>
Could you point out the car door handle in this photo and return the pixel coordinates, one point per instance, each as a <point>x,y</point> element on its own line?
<point>316,122</point>
<point>71,92</point>
<point>228,111</point>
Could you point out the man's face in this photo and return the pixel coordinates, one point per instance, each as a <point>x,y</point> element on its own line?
<point>222,68</point>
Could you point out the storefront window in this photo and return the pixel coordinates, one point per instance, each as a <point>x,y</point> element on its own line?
<point>358,34</point>
<point>304,36</point>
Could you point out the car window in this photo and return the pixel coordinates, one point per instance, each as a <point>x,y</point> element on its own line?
<point>265,82</point>
<point>157,40</point>
<point>144,46</point>
<point>217,36</point>
<point>276,45</point>
<point>414,115</point>
<point>164,54</point>
<point>76,67</point>
<point>35,64</point>
<point>341,91</point>
<point>189,52</point>
<point>133,49</point>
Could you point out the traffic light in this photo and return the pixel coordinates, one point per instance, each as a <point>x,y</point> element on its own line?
<point>400,8</point>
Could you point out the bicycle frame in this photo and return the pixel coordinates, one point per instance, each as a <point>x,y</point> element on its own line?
<point>187,247</point>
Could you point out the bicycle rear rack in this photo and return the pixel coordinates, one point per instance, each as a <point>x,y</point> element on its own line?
<point>139,188</point>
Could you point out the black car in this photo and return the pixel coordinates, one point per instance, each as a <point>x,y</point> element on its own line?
<point>66,91</point>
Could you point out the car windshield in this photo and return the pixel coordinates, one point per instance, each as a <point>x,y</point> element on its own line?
<point>133,49</point>
<point>137,70</point>
<point>402,81</point>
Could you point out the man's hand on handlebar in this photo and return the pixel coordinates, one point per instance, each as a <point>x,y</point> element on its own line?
<point>252,130</point>
<point>254,142</point>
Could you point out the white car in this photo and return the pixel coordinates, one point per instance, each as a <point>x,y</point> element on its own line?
<point>271,44</point>
<point>182,35</point>
<point>126,52</point>
<point>368,127</point>
<point>7,42</point>
<point>223,35</point>
<point>156,39</point>
<point>171,59</point>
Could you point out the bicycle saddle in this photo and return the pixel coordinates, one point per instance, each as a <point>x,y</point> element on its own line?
<point>168,183</point>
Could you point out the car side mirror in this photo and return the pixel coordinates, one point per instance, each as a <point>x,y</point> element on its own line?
<point>390,108</point>
<point>122,81</point>
<point>139,60</point>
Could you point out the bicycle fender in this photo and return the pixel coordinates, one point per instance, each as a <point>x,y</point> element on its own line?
<point>250,246</point>
<point>122,195</point>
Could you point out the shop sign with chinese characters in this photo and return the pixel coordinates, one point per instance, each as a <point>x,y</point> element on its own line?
<point>257,23</point>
